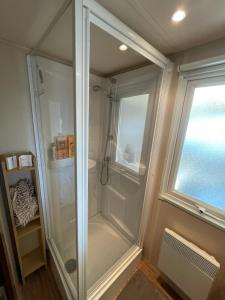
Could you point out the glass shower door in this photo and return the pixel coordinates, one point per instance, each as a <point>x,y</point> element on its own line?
<point>51,75</point>
<point>123,96</point>
<point>56,132</point>
<point>94,219</point>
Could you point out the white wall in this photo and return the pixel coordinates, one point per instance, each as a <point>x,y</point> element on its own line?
<point>16,128</point>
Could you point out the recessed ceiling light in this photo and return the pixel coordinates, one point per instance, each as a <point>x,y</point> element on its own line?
<point>178,16</point>
<point>123,47</point>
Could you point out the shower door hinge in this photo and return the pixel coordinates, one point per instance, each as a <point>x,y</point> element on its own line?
<point>41,89</point>
<point>40,76</point>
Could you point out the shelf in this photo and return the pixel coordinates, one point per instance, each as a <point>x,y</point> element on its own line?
<point>68,162</point>
<point>32,261</point>
<point>37,258</point>
<point>61,163</point>
<point>29,228</point>
<point>25,169</point>
<point>37,216</point>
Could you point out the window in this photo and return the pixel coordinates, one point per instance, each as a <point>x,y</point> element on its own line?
<point>195,171</point>
<point>131,128</point>
<point>201,171</point>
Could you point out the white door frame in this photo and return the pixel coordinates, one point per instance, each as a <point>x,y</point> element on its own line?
<point>87,12</point>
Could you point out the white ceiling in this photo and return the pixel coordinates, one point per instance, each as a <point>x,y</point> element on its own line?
<point>105,56</point>
<point>205,21</point>
<point>25,21</point>
<point>58,43</point>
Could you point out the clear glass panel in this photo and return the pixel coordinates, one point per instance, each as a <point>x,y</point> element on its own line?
<point>56,102</point>
<point>123,95</point>
<point>201,170</point>
<point>132,114</point>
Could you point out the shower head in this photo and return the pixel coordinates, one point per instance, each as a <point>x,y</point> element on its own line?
<point>113,80</point>
<point>96,88</point>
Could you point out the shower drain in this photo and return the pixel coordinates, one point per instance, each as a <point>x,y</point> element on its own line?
<point>71,265</point>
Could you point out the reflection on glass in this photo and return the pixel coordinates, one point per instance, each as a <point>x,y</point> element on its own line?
<point>201,170</point>
<point>57,131</point>
<point>132,114</point>
<point>121,112</point>
<point>54,106</point>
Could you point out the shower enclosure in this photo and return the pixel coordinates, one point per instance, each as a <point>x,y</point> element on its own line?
<point>97,135</point>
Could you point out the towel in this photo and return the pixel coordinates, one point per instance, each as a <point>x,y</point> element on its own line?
<point>24,202</point>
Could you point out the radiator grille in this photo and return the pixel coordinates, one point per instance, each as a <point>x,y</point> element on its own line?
<point>189,254</point>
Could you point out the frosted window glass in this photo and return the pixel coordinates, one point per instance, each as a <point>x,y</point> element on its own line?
<point>131,126</point>
<point>201,172</point>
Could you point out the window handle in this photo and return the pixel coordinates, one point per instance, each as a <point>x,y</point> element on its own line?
<point>201,209</point>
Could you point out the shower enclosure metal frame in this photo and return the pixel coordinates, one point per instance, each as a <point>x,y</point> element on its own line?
<point>85,13</point>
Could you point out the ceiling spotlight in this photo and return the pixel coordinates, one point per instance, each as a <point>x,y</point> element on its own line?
<point>123,47</point>
<point>178,16</point>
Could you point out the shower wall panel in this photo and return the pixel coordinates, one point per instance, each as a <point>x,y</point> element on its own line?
<point>96,128</point>
<point>123,196</point>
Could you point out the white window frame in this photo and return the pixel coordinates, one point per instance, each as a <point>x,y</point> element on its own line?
<point>141,81</point>
<point>206,72</point>
<point>146,135</point>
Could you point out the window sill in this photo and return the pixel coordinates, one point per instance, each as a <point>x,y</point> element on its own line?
<point>125,173</point>
<point>193,210</point>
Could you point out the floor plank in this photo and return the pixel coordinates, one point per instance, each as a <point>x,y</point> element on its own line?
<point>40,285</point>
<point>154,275</point>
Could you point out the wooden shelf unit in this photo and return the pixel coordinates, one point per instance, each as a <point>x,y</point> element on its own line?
<point>29,228</point>
<point>32,261</point>
<point>24,169</point>
<point>36,258</point>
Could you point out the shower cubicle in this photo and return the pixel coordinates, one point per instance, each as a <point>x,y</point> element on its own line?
<point>97,130</point>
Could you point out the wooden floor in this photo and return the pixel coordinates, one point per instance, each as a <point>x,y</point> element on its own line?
<point>140,287</point>
<point>146,284</point>
<point>40,286</point>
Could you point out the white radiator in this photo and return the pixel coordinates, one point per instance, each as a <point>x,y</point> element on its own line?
<point>187,266</point>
